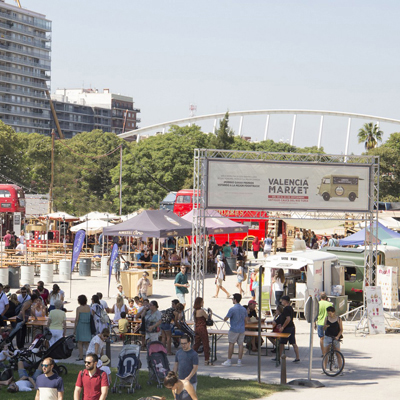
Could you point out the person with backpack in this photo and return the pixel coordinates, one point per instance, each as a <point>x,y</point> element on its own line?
<point>92,381</point>
<point>100,316</point>
<point>166,327</point>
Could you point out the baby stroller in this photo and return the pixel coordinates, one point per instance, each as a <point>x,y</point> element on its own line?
<point>128,365</point>
<point>157,363</point>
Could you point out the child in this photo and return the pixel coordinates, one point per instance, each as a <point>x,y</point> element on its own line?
<point>5,355</point>
<point>123,325</point>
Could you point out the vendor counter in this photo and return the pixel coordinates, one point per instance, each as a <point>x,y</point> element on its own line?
<point>130,279</point>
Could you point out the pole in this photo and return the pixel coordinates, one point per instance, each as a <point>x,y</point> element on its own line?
<point>51,172</point>
<point>1,241</point>
<point>47,241</point>
<point>87,231</point>
<point>311,338</point>
<point>259,324</point>
<point>120,181</point>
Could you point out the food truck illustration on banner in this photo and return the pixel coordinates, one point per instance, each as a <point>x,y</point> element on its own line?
<point>339,186</point>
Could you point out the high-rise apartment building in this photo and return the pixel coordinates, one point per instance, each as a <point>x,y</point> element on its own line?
<point>123,114</point>
<point>25,65</point>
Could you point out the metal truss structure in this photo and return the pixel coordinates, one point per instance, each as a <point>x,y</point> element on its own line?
<point>200,179</point>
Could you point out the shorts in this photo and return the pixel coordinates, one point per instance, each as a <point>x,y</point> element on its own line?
<point>320,330</point>
<point>234,337</point>
<point>253,293</point>
<point>291,338</point>
<point>328,341</point>
<point>181,298</point>
<point>143,295</point>
<point>165,326</point>
<point>24,372</point>
<point>219,281</point>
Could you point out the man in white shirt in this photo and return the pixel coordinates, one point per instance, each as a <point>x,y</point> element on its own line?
<point>102,302</point>
<point>20,250</point>
<point>3,305</point>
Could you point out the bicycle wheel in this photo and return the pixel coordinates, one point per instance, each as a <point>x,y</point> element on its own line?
<point>333,363</point>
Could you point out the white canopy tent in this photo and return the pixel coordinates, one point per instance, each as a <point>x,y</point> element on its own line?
<point>91,226</point>
<point>96,215</point>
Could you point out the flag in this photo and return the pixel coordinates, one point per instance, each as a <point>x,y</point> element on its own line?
<point>114,255</point>
<point>78,243</point>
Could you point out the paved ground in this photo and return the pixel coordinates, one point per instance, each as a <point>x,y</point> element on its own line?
<point>372,362</point>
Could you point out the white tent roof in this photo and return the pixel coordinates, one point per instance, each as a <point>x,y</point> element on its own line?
<point>98,216</point>
<point>128,216</point>
<point>59,216</point>
<point>91,227</point>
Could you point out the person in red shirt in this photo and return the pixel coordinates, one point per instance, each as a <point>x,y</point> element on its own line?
<point>92,380</point>
<point>256,247</point>
<point>7,240</point>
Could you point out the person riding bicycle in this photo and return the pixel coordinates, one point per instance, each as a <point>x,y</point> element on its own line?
<point>333,330</point>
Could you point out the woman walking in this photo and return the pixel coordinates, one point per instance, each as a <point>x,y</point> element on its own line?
<point>200,330</point>
<point>82,329</point>
<point>220,277</point>
<point>97,309</point>
<point>256,247</point>
<point>57,322</point>
<point>278,281</point>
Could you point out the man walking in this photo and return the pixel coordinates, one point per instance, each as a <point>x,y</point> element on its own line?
<point>237,315</point>
<point>288,327</point>
<point>187,362</point>
<point>4,304</point>
<point>49,385</point>
<point>322,314</point>
<point>181,285</point>
<point>92,380</point>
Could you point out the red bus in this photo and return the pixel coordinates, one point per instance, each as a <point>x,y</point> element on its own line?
<point>12,200</point>
<point>257,226</point>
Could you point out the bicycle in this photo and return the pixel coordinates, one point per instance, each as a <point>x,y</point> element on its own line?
<point>333,361</point>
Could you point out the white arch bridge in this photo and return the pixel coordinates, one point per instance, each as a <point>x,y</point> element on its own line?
<point>136,134</point>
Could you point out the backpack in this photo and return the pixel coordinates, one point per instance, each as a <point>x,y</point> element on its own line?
<point>167,315</point>
<point>12,241</point>
<point>104,318</point>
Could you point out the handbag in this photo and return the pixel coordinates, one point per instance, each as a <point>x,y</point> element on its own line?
<point>209,321</point>
<point>92,325</point>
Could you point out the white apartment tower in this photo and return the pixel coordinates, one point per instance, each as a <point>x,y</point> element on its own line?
<point>25,65</point>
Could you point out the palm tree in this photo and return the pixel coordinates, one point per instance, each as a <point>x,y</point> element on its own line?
<point>370,134</point>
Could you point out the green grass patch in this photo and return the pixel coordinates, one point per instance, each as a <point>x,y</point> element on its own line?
<point>210,388</point>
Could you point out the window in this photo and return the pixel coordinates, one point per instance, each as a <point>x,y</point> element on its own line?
<point>184,199</point>
<point>4,193</point>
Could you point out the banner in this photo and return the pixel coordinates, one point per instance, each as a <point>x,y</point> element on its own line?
<point>387,280</point>
<point>78,244</point>
<point>376,319</point>
<point>114,254</point>
<point>274,185</point>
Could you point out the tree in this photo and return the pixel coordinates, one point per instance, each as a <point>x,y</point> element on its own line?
<point>224,136</point>
<point>370,134</point>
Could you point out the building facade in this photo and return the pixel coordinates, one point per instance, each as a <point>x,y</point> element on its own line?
<point>124,116</point>
<point>25,66</point>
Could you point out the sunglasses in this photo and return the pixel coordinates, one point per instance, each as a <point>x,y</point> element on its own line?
<point>88,362</point>
<point>45,365</point>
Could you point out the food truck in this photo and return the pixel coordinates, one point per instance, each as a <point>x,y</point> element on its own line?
<point>307,273</point>
<point>353,261</point>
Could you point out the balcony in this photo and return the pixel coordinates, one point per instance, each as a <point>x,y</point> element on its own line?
<point>8,100</point>
<point>14,28</point>
<point>24,114</point>
<point>26,73</point>
<point>39,85</point>
<point>33,43</point>
<point>5,89</point>
<point>45,25</point>
<point>18,60</point>
<point>27,124</point>
<point>15,49</point>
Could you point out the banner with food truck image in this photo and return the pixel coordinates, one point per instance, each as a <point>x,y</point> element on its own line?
<point>274,185</point>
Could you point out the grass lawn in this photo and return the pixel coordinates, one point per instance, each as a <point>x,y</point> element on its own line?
<point>208,388</point>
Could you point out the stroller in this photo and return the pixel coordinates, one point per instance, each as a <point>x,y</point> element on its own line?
<point>157,363</point>
<point>128,365</point>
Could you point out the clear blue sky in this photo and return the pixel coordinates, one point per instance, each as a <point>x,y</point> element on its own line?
<point>236,55</point>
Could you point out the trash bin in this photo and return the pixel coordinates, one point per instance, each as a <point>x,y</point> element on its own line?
<point>230,265</point>
<point>13,277</point>
<point>85,265</point>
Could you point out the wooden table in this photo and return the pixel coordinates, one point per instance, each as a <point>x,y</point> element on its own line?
<point>216,334</point>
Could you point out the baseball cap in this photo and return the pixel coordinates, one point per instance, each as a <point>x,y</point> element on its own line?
<point>252,302</point>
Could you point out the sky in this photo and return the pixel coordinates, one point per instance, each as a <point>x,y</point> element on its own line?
<point>235,55</point>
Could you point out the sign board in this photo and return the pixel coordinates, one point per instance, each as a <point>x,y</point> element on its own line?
<point>17,223</point>
<point>274,185</point>
<point>387,280</point>
<point>376,320</point>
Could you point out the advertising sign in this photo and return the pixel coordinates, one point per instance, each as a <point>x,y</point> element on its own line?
<point>387,280</point>
<point>376,319</point>
<point>274,185</point>
<point>17,223</point>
